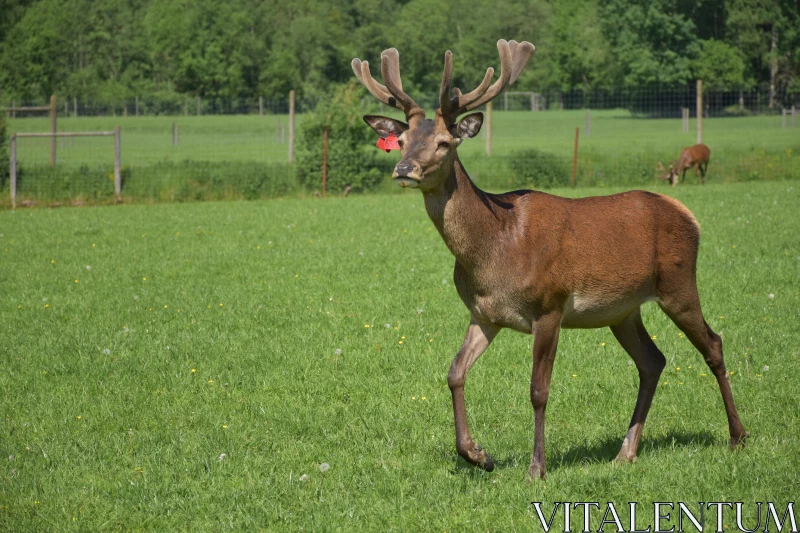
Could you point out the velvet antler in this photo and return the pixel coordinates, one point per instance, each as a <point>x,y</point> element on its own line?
<point>392,93</point>
<point>513,57</point>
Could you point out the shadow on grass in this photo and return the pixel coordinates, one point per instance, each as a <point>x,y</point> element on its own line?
<point>604,451</point>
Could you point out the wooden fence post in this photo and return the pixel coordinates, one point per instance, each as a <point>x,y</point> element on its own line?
<point>260,106</point>
<point>53,118</point>
<point>793,113</point>
<point>575,158</point>
<point>175,138</point>
<point>291,126</point>
<point>13,105</point>
<point>489,129</point>
<point>117,163</point>
<point>198,106</point>
<point>783,118</point>
<point>13,170</point>
<point>699,111</point>
<point>137,106</point>
<point>324,161</point>
<point>75,106</point>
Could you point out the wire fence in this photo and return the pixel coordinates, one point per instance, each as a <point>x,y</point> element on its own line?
<point>197,149</point>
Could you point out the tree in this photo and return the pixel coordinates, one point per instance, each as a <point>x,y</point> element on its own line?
<point>766,32</point>
<point>654,43</point>
<point>719,65</point>
<point>583,54</point>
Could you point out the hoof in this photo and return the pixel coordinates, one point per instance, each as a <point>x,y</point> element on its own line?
<point>479,458</point>
<point>623,458</point>
<point>534,474</point>
<point>487,464</point>
<point>739,440</point>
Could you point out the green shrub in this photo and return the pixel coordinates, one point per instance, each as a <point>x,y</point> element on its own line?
<point>63,184</point>
<point>352,157</point>
<point>534,168</point>
<point>735,111</point>
<point>164,181</point>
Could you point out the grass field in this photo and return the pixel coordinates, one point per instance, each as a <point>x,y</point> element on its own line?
<point>191,366</point>
<point>621,151</point>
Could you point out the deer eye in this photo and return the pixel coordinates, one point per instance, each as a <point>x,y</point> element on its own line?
<point>444,144</point>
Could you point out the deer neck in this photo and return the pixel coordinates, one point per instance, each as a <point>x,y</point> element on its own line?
<point>466,217</point>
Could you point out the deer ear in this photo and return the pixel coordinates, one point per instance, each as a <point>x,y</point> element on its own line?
<point>385,126</point>
<point>469,126</point>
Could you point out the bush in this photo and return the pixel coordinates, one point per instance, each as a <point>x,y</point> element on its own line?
<point>735,111</point>
<point>164,181</point>
<point>534,168</point>
<point>352,156</point>
<point>206,180</point>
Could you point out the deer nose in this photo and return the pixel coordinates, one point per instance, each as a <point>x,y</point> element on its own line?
<point>404,169</point>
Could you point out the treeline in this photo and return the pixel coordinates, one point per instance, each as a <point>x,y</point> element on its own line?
<point>113,50</point>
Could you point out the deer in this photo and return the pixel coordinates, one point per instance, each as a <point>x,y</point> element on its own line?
<point>536,263</point>
<point>695,157</point>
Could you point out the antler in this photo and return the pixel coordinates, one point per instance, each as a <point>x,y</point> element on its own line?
<point>392,93</point>
<point>513,57</point>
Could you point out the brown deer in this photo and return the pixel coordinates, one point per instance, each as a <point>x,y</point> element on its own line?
<point>695,157</point>
<point>537,263</point>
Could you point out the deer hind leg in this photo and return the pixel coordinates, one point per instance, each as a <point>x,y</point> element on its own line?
<point>545,342</point>
<point>649,360</point>
<point>683,308</point>
<point>478,338</point>
<point>703,170</point>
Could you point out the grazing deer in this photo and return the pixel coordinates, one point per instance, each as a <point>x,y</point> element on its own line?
<point>695,157</point>
<point>537,263</point>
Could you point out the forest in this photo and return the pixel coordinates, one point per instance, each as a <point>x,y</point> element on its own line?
<point>112,50</point>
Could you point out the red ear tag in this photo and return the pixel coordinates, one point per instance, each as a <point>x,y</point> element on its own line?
<point>391,143</point>
<point>388,144</point>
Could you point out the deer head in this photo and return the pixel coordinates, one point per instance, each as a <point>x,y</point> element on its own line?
<point>429,145</point>
<point>671,175</point>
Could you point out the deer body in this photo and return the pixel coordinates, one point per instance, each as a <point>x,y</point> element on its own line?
<point>524,254</point>
<point>537,263</point>
<point>695,157</point>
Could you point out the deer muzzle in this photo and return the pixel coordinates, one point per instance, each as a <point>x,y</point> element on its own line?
<point>407,175</point>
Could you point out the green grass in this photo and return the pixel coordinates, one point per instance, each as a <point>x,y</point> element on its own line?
<point>209,329</point>
<point>621,151</point>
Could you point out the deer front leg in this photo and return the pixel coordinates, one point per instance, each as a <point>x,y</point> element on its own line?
<point>478,338</point>
<point>545,341</point>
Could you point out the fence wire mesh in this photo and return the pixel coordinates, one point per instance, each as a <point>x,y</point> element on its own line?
<point>196,149</point>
